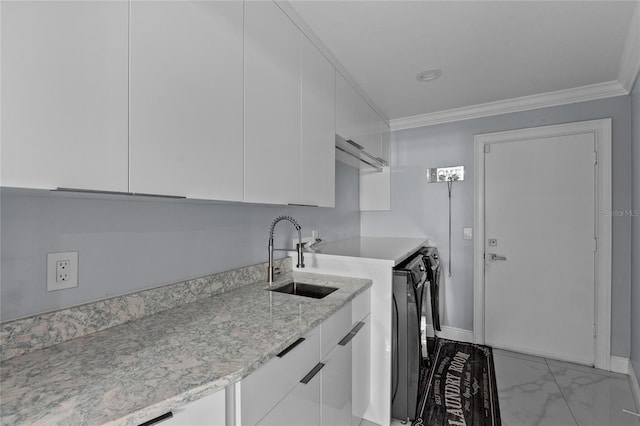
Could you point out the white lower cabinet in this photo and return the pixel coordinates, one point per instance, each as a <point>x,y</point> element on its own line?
<point>266,387</point>
<point>207,411</point>
<point>301,407</point>
<point>311,383</point>
<point>361,356</point>
<point>336,386</point>
<point>361,371</point>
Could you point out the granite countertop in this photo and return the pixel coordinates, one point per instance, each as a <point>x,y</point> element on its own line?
<point>141,369</point>
<point>391,249</point>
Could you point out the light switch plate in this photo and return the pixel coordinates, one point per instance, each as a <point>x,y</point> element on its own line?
<point>62,270</point>
<point>467,233</point>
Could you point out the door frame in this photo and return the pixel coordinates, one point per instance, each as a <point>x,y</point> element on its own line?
<point>601,129</point>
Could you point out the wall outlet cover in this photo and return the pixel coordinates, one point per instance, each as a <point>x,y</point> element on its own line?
<point>62,270</point>
<point>467,233</point>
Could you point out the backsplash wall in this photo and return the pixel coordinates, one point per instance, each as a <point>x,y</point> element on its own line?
<point>131,245</point>
<point>420,209</point>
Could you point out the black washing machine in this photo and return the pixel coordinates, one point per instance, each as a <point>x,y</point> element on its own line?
<point>409,349</point>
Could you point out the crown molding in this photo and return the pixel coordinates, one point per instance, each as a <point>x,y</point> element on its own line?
<point>630,61</point>
<point>524,103</point>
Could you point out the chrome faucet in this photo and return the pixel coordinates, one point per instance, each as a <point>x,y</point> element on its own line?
<point>271,249</point>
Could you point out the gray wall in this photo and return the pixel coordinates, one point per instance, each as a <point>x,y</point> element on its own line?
<point>126,245</point>
<point>635,228</point>
<point>420,209</point>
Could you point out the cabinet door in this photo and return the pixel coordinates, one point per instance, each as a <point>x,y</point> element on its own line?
<point>372,139</point>
<point>336,387</point>
<point>346,108</point>
<point>207,411</point>
<point>272,105</point>
<point>261,390</point>
<point>186,99</point>
<point>64,94</point>
<point>361,373</point>
<point>301,407</point>
<point>317,141</point>
<point>375,190</point>
<point>385,147</point>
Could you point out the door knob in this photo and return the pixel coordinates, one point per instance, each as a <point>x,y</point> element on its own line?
<point>493,257</point>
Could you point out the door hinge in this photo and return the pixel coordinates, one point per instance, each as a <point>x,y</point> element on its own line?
<point>595,244</point>
<point>487,148</point>
<point>595,330</point>
<point>595,158</point>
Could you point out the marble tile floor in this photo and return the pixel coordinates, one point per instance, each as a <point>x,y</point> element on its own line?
<point>539,391</point>
<point>535,391</point>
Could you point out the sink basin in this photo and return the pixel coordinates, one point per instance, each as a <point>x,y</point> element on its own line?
<point>306,290</point>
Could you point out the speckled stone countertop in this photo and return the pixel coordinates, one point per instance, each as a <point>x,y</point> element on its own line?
<point>131,373</point>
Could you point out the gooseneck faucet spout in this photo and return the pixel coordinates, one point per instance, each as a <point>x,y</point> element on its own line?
<point>300,255</point>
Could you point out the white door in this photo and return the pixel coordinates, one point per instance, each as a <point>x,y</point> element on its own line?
<point>540,216</point>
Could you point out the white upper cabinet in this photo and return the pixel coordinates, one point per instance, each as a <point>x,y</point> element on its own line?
<point>352,116</point>
<point>186,99</point>
<point>289,155</point>
<point>372,141</point>
<point>356,120</point>
<point>317,139</point>
<point>64,94</point>
<point>272,105</point>
<point>385,144</point>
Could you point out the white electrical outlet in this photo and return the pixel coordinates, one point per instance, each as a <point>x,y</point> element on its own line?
<point>62,270</point>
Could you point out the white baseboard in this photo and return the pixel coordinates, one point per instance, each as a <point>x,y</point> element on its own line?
<point>619,364</point>
<point>452,333</point>
<point>635,386</point>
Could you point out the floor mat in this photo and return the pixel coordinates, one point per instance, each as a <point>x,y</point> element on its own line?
<point>460,388</point>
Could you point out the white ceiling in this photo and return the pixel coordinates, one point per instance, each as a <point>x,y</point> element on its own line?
<point>487,50</point>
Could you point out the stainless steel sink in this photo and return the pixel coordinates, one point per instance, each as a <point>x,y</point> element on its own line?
<point>305,290</point>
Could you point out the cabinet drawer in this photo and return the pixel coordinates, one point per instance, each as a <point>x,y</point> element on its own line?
<point>361,306</point>
<point>335,328</point>
<point>265,387</point>
<point>301,407</point>
<point>207,411</point>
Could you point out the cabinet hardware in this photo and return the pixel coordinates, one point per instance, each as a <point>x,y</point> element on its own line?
<point>143,194</point>
<point>382,161</point>
<point>359,153</point>
<point>357,327</point>
<point>357,145</point>
<point>98,191</point>
<point>302,205</point>
<point>306,379</point>
<point>378,168</point>
<point>346,339</point>
<point>92,191</point>
<point>290,347</point>
<point>158,419</point>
